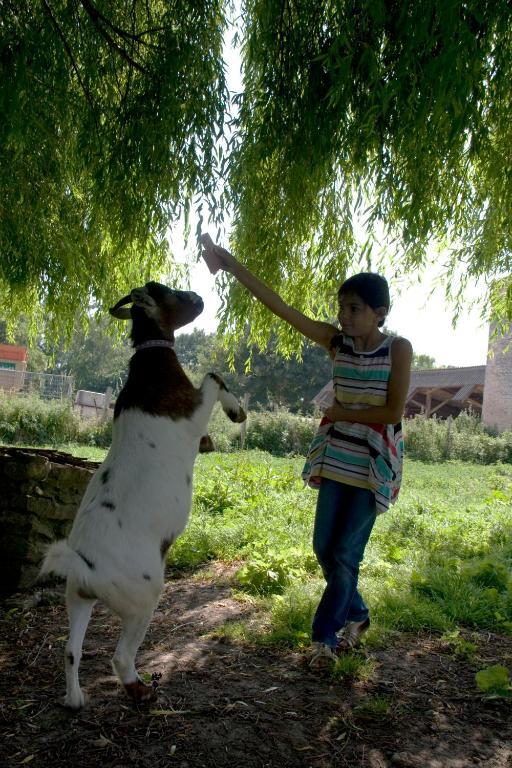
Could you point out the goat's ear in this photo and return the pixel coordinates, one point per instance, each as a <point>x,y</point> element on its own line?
<point>123,313</point>
<point>120,311</point>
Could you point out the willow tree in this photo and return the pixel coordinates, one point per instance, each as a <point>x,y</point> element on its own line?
<point>394,115</point>
<point>109,117</point>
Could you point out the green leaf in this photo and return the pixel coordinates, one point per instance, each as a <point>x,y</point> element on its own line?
<point>494,680</point>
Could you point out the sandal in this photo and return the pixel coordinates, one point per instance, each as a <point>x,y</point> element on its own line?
<point>351,634</point>
<point>322,657</point>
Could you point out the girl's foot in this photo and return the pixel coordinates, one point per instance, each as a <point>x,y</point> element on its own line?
<point>351,635</point>
<point>322,656</point>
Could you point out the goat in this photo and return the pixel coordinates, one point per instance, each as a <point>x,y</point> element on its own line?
<point>139,499</point>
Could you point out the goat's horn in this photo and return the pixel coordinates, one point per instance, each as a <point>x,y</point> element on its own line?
<point>120,311</point>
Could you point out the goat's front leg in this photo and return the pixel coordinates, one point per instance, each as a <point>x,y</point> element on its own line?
<point>230,404</point>
<point>213,389</point>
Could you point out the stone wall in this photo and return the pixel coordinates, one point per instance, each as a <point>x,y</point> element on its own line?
<point>40,492</point>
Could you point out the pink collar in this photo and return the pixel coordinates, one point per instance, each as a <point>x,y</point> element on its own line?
<point>155,343</point>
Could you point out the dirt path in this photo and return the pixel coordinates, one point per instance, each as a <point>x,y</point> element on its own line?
<point>222,705</point>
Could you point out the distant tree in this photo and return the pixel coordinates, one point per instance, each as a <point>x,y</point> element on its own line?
<point>423,362</point>
<point>94,358</point>
<point>196,350</point>
<point>271,381</point>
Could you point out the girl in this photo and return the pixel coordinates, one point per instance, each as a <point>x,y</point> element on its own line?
<point>355,459</point>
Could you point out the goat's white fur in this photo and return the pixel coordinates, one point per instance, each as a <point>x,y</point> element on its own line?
<point>138,498</point>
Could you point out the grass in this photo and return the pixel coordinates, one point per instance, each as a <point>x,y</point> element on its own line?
<point>439,560</point>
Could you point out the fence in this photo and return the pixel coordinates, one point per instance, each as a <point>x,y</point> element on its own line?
<point>49,386</point>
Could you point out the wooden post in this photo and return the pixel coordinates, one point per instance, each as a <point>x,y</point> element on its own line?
<point>243,425</point>
<point>106,406</point>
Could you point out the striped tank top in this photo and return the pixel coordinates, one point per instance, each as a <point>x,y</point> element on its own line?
<point>364,455</point>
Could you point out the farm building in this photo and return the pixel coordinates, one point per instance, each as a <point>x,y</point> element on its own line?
<point>13,364</point>
<point>484,389</point>
<point>444,392</point>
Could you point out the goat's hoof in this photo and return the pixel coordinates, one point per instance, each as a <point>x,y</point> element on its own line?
<point>237,416</point>
<point>206,444</point>
<point>139,691</point>
<point>75,701</point>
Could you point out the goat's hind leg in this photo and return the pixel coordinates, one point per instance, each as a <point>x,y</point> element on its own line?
<point>133,630</point>
<point>79,610</point>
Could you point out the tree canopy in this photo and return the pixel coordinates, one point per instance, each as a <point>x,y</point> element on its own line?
<point>388,116</point>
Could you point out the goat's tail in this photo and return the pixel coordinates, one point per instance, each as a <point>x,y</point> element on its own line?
<point>64,561</point>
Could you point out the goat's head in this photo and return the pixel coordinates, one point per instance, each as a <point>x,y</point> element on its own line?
<point>157,311</point>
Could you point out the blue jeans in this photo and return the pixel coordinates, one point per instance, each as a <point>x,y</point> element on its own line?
<point>345,516</point>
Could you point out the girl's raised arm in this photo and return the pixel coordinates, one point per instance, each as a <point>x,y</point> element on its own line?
<point>315,330</point>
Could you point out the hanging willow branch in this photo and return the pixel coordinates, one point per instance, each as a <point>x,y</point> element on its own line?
<point>361,125</point>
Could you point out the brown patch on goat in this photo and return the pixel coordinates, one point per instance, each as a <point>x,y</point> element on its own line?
<point>157,384</point>
<point>138,691</point>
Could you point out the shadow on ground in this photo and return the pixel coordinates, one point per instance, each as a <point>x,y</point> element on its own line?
<point>225,705</point>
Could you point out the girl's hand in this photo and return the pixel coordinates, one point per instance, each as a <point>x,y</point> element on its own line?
<point>335,412</point>
<point>216,257</point>
<point>227,261</point>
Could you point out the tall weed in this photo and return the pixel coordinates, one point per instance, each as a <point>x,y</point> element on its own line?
<point>464,439</point>
<point>31,420</point>
<point>281,433</point>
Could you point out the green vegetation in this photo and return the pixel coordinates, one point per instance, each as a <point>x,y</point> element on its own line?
<point>494,681</point>
<point>31,420</point>
<point>440,560</point>
<point>464,439</point>
<point>96,360</point>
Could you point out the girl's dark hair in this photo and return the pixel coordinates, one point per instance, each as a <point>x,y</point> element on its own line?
<point>372,288</point>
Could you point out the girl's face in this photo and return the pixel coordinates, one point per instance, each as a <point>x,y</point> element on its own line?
<point>356,317</point>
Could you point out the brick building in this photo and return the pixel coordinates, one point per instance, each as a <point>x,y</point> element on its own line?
<point>497,404</point>
<point>13,364</point>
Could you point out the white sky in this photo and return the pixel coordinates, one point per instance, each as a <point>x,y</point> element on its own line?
<point>417,313</point>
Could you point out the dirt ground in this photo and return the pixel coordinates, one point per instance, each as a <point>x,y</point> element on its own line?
<point>220,704</point>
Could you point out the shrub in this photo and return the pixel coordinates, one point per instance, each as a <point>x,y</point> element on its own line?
<point>280,433</point>
<point>464,438</point>
<point>96,433</point>
<point>35,421</point>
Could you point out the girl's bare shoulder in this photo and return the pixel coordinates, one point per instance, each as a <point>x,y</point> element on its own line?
<point>401,350</point>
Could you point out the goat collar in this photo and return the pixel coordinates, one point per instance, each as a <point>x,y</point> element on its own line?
<point>155,343</point>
